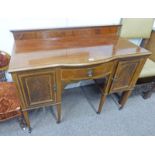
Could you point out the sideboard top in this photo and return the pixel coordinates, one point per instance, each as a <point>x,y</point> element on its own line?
<point>36,49</point>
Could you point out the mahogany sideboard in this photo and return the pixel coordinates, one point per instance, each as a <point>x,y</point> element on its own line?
<point>44,60</point>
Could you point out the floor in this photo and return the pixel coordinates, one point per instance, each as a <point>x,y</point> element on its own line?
<point>79,116</point>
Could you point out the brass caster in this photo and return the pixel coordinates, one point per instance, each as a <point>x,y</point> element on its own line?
<point>120,108</point>
<point>58,122</point>
<point>22,123</point>
<point>98,112</point>
<point>146,95</point>
<point>30,130</point>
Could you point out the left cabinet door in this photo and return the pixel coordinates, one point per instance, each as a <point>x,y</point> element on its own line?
<point>38,88</point>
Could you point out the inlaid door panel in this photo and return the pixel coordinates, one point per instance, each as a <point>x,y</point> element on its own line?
<point>124,74</point>
<point>38,88</point>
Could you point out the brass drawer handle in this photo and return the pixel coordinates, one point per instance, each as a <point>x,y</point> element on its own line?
<point>90,72</point>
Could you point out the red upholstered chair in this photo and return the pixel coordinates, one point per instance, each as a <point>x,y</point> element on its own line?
<point>9,101</point>
<point>4,63</point>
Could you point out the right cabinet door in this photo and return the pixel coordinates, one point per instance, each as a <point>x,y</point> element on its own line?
<point>124,75</point>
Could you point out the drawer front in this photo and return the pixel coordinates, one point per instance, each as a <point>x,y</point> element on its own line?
<point>89,72</point>
<point>37,88</point>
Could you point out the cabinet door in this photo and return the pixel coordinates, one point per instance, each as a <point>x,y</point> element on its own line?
<point>124,74</point>
<point>38,88</point>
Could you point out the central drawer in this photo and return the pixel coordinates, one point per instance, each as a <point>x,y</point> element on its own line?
<point>88,72</point>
